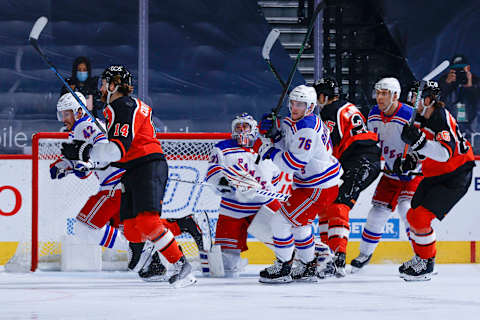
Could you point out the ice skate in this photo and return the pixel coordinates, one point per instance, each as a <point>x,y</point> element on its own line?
<point>155,272</point>
<point>359,262</point>
<point>182,274</point>
<point>339,261</point>
<point>305,272</point>
<point>418,269</point>
<point>279,272</point>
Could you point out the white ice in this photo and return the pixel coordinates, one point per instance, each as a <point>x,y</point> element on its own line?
<point>376,293</point>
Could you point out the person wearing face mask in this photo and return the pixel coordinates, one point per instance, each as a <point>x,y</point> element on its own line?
<point>356,148</point>
<point>83,82</point>
<point>447,165</point>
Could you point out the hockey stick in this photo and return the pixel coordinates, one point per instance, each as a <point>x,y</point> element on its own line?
<point>276,110</point>
<point>435,72</point>
<point>269,194</point>
<point>33,38</point>
<point>267,47</point>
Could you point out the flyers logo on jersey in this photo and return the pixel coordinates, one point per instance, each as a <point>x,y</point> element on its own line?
<point>443,135</point>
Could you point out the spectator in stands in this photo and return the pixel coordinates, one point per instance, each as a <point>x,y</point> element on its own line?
<point>461,93</point>
<point>83,81</point>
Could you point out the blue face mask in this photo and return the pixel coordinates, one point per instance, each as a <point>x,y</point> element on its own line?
<point>82,75</point>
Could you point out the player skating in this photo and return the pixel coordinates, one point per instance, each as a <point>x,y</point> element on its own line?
<point>356,149</point>
<point>394,190</point>
<point>133,146</point>
<point>447,167</point>
<point>302,146</point>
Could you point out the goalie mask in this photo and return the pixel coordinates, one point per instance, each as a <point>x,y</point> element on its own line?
<point>302,98</point>
<point>431,90</point>
<point>244,130</point>
<point>67,102</point>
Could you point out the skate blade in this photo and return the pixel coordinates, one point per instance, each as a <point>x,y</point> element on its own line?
<point>286,279</point>
<point>185,282</point>
<point>312,279</point>
<point>425,277</point>
<point>156,279</point>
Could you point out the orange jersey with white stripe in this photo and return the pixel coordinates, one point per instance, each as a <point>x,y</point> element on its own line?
<point>130,126</point>
<point>442,127</point>
<point>347,127</point>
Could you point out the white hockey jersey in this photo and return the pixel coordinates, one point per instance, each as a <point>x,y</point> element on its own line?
<point>85,129</point>
<point>389,130</point>
<point>228,153</point>
<point>306,150</point>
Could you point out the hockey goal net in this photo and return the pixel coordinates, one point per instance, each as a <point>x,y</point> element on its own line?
<point>55,203</point>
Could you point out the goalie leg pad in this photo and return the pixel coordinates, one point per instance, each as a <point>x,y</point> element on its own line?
<point>108,237</point>
<point>232,263</point>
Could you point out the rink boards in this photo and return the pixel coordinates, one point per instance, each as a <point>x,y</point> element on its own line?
<point>458,234</point>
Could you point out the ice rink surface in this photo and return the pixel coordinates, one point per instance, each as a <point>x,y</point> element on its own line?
<point>376,293</point>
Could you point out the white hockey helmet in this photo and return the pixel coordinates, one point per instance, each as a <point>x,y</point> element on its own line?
<point>390,84</point>
<point>68,102</point>
<point>305,94</point>
<point>245,138</point>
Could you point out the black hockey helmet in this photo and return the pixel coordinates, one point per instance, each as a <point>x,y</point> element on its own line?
<point>431,89</point>
<point>118,74</point>
<point>327,86</point>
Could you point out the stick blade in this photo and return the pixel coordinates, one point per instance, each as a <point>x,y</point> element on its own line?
<point>38,28</point>
<point>269,42</point>
<point>435,72</point>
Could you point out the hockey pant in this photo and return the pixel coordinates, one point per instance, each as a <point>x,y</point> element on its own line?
<point>358,174</point>
<point>434,198</point>
<point>91,222</point>
<point>389,195</point>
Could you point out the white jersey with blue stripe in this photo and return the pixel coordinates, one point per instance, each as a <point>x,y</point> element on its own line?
<point>306,150</point>
<point>85,129</point>
<point>228,153</point>
<point>389,130</point>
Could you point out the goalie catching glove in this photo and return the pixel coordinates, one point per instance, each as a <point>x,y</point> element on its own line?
<point>77,150</point>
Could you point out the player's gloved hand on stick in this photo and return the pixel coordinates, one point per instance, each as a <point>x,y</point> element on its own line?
<point>412,136</point>
<point>264,147</point>
<point>58,173</point>
<point>77,150</point>
<point>404,166</point>
<point>223,186</point>
<point>269,126</point>
<point>83,168</point>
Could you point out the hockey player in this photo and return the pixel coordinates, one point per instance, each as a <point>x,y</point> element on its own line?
<point>302,146</point>
<point>447,166</point>
<point>133,146</point>
<point>395,190</point>
<point>238,208</point>
<point>100,208</point>
<point>357,150</point>
<point>92,225</point>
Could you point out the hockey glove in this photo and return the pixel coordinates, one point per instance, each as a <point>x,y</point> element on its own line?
<point>77,150</point>
<point>270,128</point>
<point>264,148</point>
<point>82,169</point>
<point>57,173</point>
<point>412,136</point>
<point>223,186</point>
<point>402,167</point>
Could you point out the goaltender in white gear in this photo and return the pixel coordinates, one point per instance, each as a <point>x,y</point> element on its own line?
<point>239,206</point>
<point>92,222</point>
